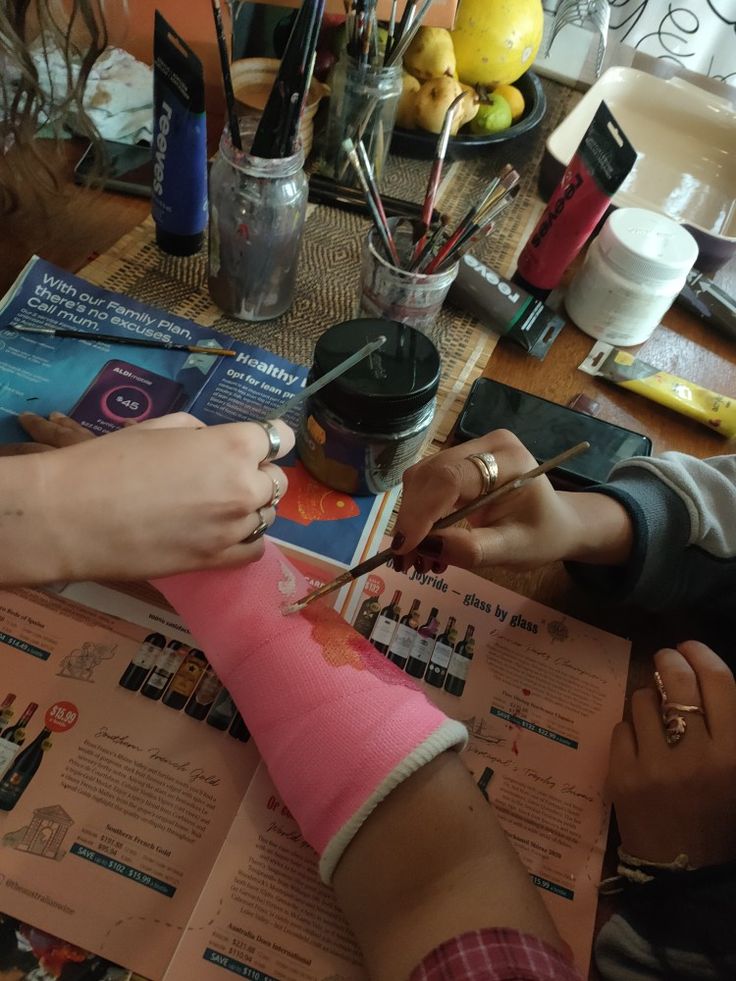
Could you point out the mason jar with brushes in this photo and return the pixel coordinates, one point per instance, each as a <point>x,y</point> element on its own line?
<point>257,210</point>
<point>363,106</point>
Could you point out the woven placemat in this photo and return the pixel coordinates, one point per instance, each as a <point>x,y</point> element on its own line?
<point>329,269</point>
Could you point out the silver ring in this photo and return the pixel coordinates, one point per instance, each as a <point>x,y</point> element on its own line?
<point>488,468</point>
<point>274,440</point>
<point>260,531</point>
<point>276,496</point>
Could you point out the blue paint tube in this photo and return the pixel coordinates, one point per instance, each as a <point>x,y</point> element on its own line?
<point>179,198</point>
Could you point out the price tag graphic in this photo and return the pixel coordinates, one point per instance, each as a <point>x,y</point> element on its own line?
<point>61,716</point>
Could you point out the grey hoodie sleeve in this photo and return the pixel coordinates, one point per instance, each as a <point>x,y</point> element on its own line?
<point>684,516</point>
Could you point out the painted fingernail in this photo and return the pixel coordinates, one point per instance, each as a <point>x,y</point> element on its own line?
<point>419,564</point>
<point>56,416</point>
<point>438,568</point>
<point>431,546</point>
<point>398,541</point>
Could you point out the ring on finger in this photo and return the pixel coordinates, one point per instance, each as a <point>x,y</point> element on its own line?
<point>488,469</point>
<point>274,440</point>
<point>276,496</point>
<point>673,713</point>
<point>258,532</point>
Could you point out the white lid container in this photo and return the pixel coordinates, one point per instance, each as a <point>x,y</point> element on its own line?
<point>633,271</point>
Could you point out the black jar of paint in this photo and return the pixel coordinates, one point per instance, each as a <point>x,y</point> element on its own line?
<point>362,431</point>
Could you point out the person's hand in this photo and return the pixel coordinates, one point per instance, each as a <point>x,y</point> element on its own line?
<point>46,434</point>
<point>527,528</point>
<point>168,495</point>
<point>680,799</point>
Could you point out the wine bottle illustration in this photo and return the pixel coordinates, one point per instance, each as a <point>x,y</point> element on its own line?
<point>457,671</point>
<point>145,658</point>
<point>165,668</point>
<point>8,747</point>
<point>366,618</point>
<point>443,651</point>
<point>403,639</point>
<point>223,711</point>
<point>185,680</point>
<point>385,625</point>
<point>423,644</point>
<point>201,701</point>
<point>239,729</point>
<point>6,711</point>
<point>17,733</point>
<point>22,770</point>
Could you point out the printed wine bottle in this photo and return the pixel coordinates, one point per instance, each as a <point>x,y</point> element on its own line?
<point>443,649</point>
<point>20,774</point>
<point>201,701</point>
<point>239,730</point>
<point>6,711</point>
<point>366,618</point>
<point>459,665</point>
<point>223,711</point>
<point>164,670</point>
<point>138,669</point>
<point>185,680</point>
<point>422,647</point>
<point>8,748</point>
<point>385,625</point>
<point>405,635</point>
<point>17,733</point>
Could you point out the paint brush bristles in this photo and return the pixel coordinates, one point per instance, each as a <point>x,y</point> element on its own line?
<point>452,519</point>
<point>227,80</point>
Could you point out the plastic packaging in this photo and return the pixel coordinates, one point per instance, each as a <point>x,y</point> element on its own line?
<point>363,430</point>
<point>179,193</point>
<point>717,412</point>
<point>600,165</point>
<point>633,271</point>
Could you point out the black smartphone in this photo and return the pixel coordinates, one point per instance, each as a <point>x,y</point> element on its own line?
<point>547,429</point>
<point>128,169</point>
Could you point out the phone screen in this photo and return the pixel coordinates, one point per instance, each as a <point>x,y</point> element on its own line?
<point>547,429</point>
<point>127,168</point>
<point>121,393</point>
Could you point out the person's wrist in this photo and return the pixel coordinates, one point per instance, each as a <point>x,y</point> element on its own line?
<point>599,529</point>
<point>68,527</point>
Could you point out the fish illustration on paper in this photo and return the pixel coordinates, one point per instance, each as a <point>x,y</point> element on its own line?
<point>307,500</point>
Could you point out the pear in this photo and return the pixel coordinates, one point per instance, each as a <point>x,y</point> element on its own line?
<point>433,100</point>
<point>431,54</point>
<point>470,105</point>
<point>406,115</point>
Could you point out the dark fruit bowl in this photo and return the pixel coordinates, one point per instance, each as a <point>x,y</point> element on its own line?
<point>419,143</point>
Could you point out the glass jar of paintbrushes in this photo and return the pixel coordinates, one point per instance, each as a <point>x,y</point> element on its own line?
<point>363,104</point>
<point>257,211</point>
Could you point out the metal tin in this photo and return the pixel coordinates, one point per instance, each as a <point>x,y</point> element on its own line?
<point>362,431</point>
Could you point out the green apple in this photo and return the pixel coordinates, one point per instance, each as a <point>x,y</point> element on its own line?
<point>493,116</point>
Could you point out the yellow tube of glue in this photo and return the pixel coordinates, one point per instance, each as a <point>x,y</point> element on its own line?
<point>717,412</point>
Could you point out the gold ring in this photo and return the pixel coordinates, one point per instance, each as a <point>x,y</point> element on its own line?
<point>488,468</point>
<point>260,531</point>
<point>274,440</point>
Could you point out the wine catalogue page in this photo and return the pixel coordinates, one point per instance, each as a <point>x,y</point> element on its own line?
<point>136,820</point>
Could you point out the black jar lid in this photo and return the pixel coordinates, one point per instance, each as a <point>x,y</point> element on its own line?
<point>394,383</point>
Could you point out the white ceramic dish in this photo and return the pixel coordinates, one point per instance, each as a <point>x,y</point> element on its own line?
<point>685,138</point>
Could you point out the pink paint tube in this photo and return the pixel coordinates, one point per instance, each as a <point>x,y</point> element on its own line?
<point>601,164</point>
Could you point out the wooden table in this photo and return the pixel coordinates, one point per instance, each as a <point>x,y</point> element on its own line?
<point>76,223</point>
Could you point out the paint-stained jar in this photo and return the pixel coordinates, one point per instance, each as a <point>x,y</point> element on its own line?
<point>257,211</point>
<point>363,430</point>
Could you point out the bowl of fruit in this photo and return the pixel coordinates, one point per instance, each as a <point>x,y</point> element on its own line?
<point>487,56</point>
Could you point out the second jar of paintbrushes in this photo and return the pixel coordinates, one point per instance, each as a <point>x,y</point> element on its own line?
<point>257,211</point>
<point>363,107</point>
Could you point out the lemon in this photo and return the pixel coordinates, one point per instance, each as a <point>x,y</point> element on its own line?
<point>496,40</point>
<point>514,98</point>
